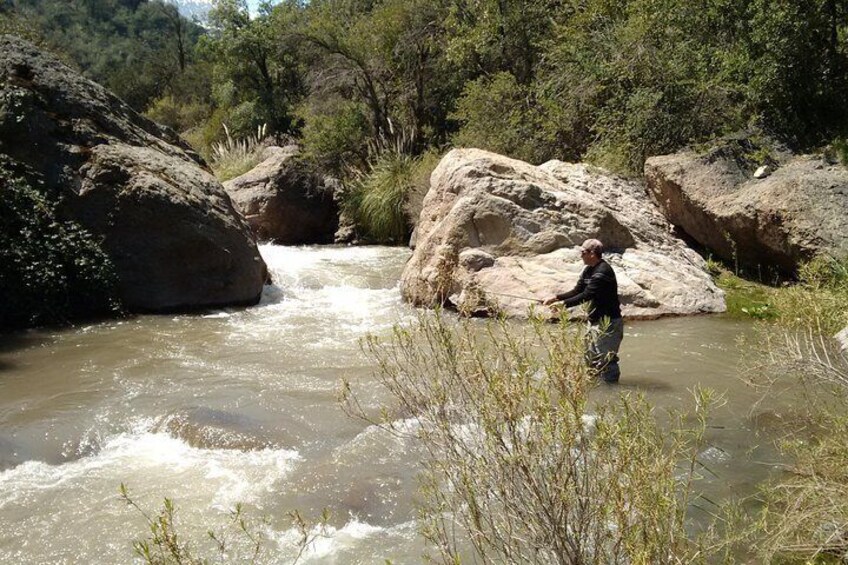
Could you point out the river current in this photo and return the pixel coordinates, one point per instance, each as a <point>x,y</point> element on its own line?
<point>240,406</point>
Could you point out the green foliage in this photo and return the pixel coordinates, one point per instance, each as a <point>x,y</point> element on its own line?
<point>176,114</point>
<point>799,79</point>
<point>746,299</point>
<point>53,270</point>
<point>801,516</point>
<point>336,135</point>
<point>609,81</point>
<point>821,298</point>
<point>241,541</point>
<point>139,50</point>
<point>840,146</point>
<point>818,299</point>
<point>258,68</point>
<point>500,115</point>
<point>514,468</point>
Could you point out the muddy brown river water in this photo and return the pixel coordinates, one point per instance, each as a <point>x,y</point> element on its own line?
<point>240,406</point>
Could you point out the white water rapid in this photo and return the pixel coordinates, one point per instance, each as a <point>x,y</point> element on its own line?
<point>240,406</point>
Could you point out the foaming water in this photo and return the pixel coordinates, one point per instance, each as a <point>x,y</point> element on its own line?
<point>240,405</point>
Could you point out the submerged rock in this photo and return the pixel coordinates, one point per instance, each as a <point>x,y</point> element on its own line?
<point>10,454</point>
<point>167,225</point>
<point>207,428</point>
<point>286,202</point>
<point>798,210</point>
<point>496,233</point>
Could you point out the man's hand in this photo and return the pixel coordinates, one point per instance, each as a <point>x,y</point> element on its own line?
<point>551,300</point>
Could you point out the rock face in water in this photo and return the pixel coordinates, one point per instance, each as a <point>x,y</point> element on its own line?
<point>206,428</point>
<point>798,210</point>
<point>284,201</point>
<point>172,232</point>
<point>495,232</point>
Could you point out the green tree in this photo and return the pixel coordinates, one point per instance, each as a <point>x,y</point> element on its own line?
<point>387,56</point>
<point>258,78</point>
<point>799,80</point>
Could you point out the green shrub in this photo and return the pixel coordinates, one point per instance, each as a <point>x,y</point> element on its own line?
<point>820,300</point>
<point>336,137</point>
<point>514,467</point>
<point>500,115</point>
<point>177,115</point>
<point>54,271</point>
<point>803,512</point>
<point>379,196</point>
<point>241,540</point>
<point>840,147</point>
<point>384,203</point>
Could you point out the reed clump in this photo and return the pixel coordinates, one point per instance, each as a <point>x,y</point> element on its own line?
<point>233,157</point>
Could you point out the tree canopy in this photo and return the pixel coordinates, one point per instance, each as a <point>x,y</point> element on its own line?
<point>612,81</point>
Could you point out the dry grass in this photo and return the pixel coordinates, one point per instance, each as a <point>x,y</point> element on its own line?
<point>804,513</point>
<point>234,157</point>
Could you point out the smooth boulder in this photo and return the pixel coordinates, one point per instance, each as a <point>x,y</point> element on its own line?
<point>173,234</point>
<point>208,428</point>
<point>496,235</point>
<point>285,201</point>
<point>842,339</point>
<point>781,219</point>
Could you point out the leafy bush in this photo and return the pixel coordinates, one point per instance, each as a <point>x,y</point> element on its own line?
<point>515,466</point>
<point>335,136</point>
<point>380,196</point>
<point>177,115</point>
<point>242,540</point>
<point>820,301</point>
<point>500,115</point>
<point>54,271</point>
<point>803,516</point>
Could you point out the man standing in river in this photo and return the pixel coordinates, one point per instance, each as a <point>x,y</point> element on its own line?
<point>597,286</point>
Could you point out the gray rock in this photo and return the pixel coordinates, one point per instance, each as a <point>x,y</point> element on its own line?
<point>530,220</point>
<point>172,232</point>
<point>284,201</point>
<point>207,428</point>
<point>842,338</point>
<point>762,172</point>
<point>799,211</point>
<point>475,259</point>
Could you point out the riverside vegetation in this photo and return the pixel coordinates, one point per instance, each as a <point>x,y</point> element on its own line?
<point>610,82</point>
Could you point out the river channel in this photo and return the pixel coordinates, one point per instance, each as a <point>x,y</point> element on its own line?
<point>237,406</point>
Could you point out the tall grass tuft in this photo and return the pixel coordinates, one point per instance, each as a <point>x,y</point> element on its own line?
<point>234,157</point>
<point>385,200</point>
<point>382,195</point>
<point>518,466</point>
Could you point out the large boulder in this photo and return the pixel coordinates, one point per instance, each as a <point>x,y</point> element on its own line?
<point>775,216</point>
<point>495,234</point>
<point>173,234</point>
<point>285,201</point>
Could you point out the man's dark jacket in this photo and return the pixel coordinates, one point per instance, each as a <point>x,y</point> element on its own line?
<point>598,287</point>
